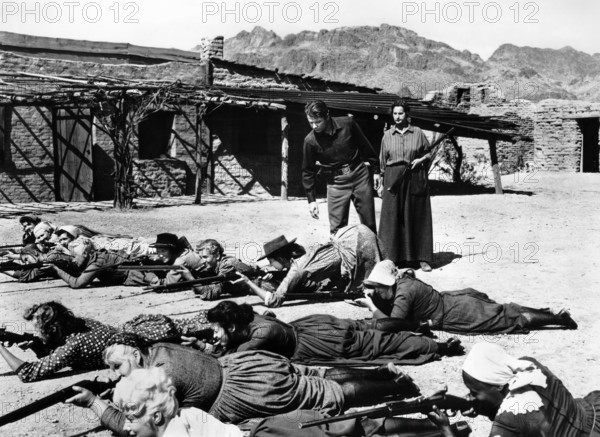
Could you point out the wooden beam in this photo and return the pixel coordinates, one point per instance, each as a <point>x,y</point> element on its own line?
<point>284,157</point>
<point>495,169</point>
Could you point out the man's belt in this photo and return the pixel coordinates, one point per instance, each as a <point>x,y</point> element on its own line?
<point>346,168</point>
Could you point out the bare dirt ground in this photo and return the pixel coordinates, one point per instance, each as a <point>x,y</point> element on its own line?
<point>536,245</point>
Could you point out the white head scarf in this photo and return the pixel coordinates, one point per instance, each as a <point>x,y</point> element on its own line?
<point>489,363</point>
<point>74,231</point>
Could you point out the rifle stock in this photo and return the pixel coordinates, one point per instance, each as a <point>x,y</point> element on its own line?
<point>59,396</point>
<point>400,408</point>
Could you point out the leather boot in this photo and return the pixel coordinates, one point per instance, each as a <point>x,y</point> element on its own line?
<point>539,318</point>
<point>360,393</point>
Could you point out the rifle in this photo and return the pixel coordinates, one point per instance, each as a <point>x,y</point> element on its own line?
<point>325,295</point>
<point>13,337</point>
<point>190,284</point>
<point>11,265</point>
<point>421,405</point>
<point>54,398</point>
<point>11,246</point>
<point>434,148</point>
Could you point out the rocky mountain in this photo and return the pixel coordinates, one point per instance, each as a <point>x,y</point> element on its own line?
<point>398,60</point>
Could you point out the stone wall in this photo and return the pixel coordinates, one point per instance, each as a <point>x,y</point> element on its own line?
<point>558,137</point>
<point>27,171</point>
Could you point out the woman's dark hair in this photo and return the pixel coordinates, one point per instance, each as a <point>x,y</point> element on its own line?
<point>291,251</point>
<point>316,109</point>
<point>403,104</point>
<point>51,316</point>
<point>228,313</point>
<point>34,220</point>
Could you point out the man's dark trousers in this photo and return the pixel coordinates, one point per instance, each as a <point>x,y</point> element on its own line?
<point>356,186</point>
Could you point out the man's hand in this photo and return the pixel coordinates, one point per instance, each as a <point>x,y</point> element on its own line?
<point>377,182</point>
<point>313,208</point>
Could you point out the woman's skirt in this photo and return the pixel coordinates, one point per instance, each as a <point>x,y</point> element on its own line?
<point>327,340</point>
<point>405,225</point>
<point>262,384</point>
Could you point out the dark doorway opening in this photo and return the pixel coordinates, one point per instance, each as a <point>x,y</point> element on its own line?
<point>154,134</point>
<point>589,148</point>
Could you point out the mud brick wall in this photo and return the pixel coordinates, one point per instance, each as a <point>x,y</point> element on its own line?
<point>511,156</point>
<point>558,140</point>
<point>27,172</point>
<point>160,177</point>
<point>235,175</point>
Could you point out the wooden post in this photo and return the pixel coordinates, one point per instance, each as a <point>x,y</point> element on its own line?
<point>495,169</point>
<point>204,173</point>
<point>198,187</point>
<point>284,157</point>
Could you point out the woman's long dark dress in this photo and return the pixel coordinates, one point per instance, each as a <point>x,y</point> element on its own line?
<point>323,340</point>
<point>460,311</point>
<point>405,226</point>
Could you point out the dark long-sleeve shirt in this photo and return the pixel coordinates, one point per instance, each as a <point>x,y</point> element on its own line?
<point>343,144</point>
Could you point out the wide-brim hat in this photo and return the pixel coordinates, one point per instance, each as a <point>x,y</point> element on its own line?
<point>166,241</point>
<point>384,273</point>
<point>274,245</point>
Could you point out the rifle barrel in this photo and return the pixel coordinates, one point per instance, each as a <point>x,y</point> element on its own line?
<point>54,398</point>
<point>189,284</point>
<point>399,408</point>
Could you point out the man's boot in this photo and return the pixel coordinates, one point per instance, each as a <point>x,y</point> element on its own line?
<point>540,318</point>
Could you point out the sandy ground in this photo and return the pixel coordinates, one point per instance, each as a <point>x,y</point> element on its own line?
<point>535,245</point>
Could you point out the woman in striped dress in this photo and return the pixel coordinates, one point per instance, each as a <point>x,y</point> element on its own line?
<point>405,226</point>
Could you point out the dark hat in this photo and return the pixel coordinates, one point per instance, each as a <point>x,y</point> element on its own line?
<point>166,240</point>
<point>274,245</point>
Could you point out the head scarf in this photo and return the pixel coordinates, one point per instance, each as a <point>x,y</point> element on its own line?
<point>489,363</point>
<point>74,231</point>
<point>43,226</point>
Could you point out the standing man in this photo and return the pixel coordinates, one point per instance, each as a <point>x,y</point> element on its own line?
<point>337,148</point>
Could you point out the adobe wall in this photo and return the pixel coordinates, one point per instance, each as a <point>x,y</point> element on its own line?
<point>27,174</point>
<point>558,138</point>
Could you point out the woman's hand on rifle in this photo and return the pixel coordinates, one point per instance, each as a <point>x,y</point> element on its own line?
<point>367,301</point>
<point>440,419</point>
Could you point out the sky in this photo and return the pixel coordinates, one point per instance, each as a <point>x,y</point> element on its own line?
<point>478,26</point>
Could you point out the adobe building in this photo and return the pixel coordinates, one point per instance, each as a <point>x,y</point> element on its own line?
<point>558,135</point>
<point>240,132</point>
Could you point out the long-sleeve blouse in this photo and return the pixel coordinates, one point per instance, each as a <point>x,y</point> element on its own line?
<point>81,351</point>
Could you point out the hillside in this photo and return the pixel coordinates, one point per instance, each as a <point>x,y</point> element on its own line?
<point>400,61</point>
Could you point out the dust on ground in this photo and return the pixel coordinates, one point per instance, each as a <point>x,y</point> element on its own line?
<point>535,245</point>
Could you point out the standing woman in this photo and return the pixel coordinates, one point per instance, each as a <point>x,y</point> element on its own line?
<point>405,226</point>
